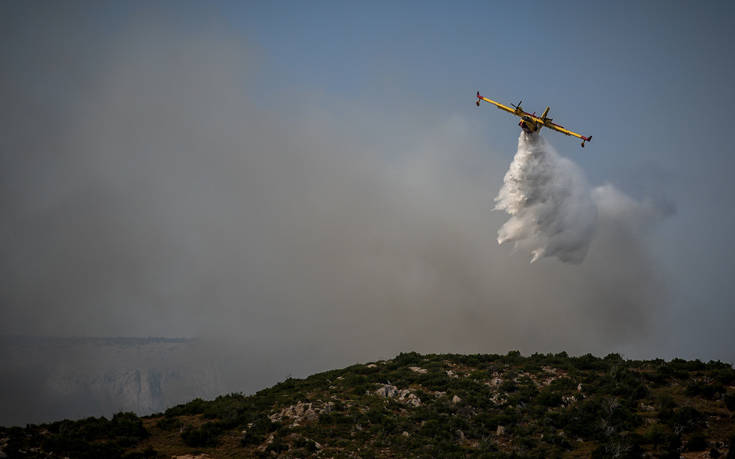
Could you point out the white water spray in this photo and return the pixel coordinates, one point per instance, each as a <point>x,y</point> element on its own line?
<point>552,210</point>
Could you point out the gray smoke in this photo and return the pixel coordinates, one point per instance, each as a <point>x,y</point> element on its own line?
<point>554,213</point>
<point>169,190</point>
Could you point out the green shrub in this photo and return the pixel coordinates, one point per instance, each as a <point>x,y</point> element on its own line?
<point>730,401</point>
<point>127,425</point>
<point>195,406</point>
<point>169,423</point>
<point>698,442</point>
<point>549,397</point>
<point>508,386</point>
<point>277,445</point>
<point>205,435</point>
<point>724,375</point>
<point>252,437</point>
<point>405,359</point>
<point>685,419</point>
<point>700,389</point>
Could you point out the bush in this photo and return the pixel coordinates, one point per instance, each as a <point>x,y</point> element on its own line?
<point>306,444</point>
<point>685,419</point>
<point>589,362</point>
<point>256,434</point>
<point>277,445</point>
<point>195,406</point>
<point>508,386</point>
<point>730,401</point>
<point>549,398</point>
<point>252,437</point>
<point>206,435</point>
<point>700,389</point>
<point>127,425</point>
<point>725,376</point>
<point>94,437</point>
<point>407,359</point>
<point>169,423</point>
<point>697,443</point>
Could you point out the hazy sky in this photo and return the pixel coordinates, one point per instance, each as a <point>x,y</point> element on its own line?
<point>313,182</point>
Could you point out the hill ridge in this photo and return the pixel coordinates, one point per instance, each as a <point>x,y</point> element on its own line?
<point>435,405</point>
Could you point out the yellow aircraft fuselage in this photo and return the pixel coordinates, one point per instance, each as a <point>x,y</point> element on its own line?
<point>531,123</point>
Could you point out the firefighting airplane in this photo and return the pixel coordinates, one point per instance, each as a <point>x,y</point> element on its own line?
<point>531,123</point>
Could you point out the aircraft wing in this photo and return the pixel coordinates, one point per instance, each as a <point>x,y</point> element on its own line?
<point>563,130</point>
<point>497,104</point>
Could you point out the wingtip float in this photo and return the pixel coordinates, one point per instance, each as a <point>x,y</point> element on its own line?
<point>531,123</point>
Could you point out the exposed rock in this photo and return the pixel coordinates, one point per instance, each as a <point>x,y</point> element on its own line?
<point>456,399</point>
<point>451,374</point>
<point>372,365</point>
<point>500,431</point>
<point>460,434</point>
<point>412,400</point>
<point>405,434</point>
<point>265,445</point>
<point>419,370</point>
<point>302,413</point>
<point>402,395</point>
<point>645,407</point>
<point>387,391</point>
<point>579,387</point>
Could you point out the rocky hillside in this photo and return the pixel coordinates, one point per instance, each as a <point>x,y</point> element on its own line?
<point>416,405</point>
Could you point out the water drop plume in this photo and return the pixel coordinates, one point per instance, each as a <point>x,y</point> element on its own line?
<point>552,213</point>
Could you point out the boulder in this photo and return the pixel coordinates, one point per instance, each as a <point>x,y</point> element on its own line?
<point>387,391</point>
<point>402,395</point>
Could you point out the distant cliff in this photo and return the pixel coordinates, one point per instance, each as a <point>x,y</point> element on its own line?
<point>46,378</point>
